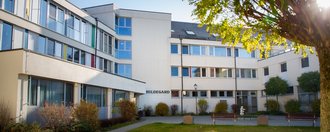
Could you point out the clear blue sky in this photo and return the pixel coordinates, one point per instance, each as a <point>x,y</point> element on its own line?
<point>181,10</point>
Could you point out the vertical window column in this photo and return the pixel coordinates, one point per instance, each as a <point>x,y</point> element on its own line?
<point>7,35</point>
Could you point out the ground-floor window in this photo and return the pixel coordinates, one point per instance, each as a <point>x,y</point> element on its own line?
<point>93,94</point>
<point>42,91</point>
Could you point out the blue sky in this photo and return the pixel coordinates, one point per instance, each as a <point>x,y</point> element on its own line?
<point>181,10</point>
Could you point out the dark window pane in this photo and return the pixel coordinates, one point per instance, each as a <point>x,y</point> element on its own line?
<point>203,93</point>
<point>185,71</point>
<point>283,67</point>
<point>10,5</point>
<point>194,93</point>
<point>228,51</point>
<point>290,90</point>
<point>214,93</point>
<point>229,93</point>
<point>266,71</point>
<point>26,39</point>
<point>195,72</point>
<point>174,71</point>
<point>76,55</point>
<point>69,53</point>
<point>33,92</point>
<point>6,36</point>
<point>82,57</point>
<point>185,50</point>
<point>174,48</point>
<point>175,93</point>
<point>40,47</point>
<point>222,93</point>
<point>230,73</point>
<point>51,47</point>
<point>254,74</point>
<point>304,62</point>
<point>236,53</point>
<point>68,94</point>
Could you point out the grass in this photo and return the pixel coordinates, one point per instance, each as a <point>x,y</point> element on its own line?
<point>161,127</point>
<point>119,125</point>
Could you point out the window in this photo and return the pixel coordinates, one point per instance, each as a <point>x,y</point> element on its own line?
<point>124,70</point>
<point>70,26</point>
<point>190,32</point>
<point>58,50</point>
<point>96,95</point>
<point>185,49</point>
<point>214,93</point>
<point>9,5</point>
<point>123,49</point>
<point>106,43</point>
<point>107,66</point>
<point>304,62</point>
<point>244,54</point>
<point>123,25</point>
<point>186,93</point>
<point>51,91</point>
<point>218,51</point>
<point>230,94</point>
<point>82,57</point>
<point>174,48</point>
<point>203,72</point>
<point>290,90</point>
<point>110,45</point>
<point>52,17</point>
<point>248,73</point>
<point>100,44</point>
<point>174,71</point>
<point>76,29</point>
<point>266,71</point>
<point>194,93</point>
<point>174,93</point>
<point>88,59</point>
<point>69,53</point>
<point>228,51</point>
<point>7,34</point>
<point>222,93</point>
<point>51,47</point>
<point>220,72</point>
<point>26,39</point>
<point>43,13</point>
<point>195,72</point>
<point>40,45</point>
<point>195,50</point>
<point>283,67</point>
<point>203,93</point>
<point>75,55</point>
<point>60,21</point>
<point>185,71</point>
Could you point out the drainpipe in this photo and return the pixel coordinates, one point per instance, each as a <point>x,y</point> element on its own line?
<point>235,66</point>
<point>181,97</point>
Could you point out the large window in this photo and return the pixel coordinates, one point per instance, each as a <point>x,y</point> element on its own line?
<point>95,95</point>
<point>70,26</point>
<point>124,70</point>
<point>10,5</point>
<point>220,72</point>
<point>221,94</point>
<point>248,73</point>
<point>198,72</point>
<point>7,32</point>
<point>51,47</point>
<point>218,51</point>
<point>49,91</point>
<point>56,19</point>
<point>43,13</point>
<point>197,50</point>
<point>174,48</point>
<point>52,17</point>
<point>40,45</point>
<point>174,71</point>
<point>304,62</point>
<point>123,49</point>
<point>283,67</point>
<point>124,26</point>
<point>76,29</point>
<point>244,54</point>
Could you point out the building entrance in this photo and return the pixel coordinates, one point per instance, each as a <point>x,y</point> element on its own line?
<point>248,99</point>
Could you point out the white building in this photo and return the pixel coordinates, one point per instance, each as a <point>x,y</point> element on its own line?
<point>52,51</point>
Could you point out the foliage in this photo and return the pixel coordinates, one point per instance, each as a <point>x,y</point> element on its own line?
<point>221,107</point>
<point>310,81</point>
<point>127,109</point>
<point>316,106</point>
<point>147,110</point>
<point>234,108</point>
<point>56,117</point>
<point>272,106</point>
<point>113,121</point>
<point>276,86</point>
<point>86,116</point>
<point>162,109</point>
<point>24,127</point>
<point>292,106</point>
<point>5,113</point>
<point>203,106</point>
<point>174,109</point>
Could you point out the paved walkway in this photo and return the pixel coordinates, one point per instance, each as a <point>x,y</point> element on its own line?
<point>273,121</point>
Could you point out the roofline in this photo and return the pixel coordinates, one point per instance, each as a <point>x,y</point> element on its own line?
<point>186,22</point>
<point>97,6</point>
<point>146,11</point>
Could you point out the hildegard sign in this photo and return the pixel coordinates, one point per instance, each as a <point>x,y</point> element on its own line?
<point>158,91</point>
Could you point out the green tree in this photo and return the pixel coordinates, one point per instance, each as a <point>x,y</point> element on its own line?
<point>262,24</point>
<point>310,82</point>
<point>203,105</point>
<point>276,86</point>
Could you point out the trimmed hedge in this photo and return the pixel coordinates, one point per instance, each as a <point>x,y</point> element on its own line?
<point>162,109</point>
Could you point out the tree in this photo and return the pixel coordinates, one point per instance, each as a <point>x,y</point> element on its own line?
<point>262,24</point>
<point>276,86</point>
<point>310,82</point>
<point>203,105</point>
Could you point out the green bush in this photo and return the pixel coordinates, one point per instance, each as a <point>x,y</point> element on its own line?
<point>162,109</point>
<point>316,106</point>
<point>86,116</point>
<point>5,119</point>
<point>292,106</point>
<point>23,127</point>
<point>203,105</point>
<point>221,107</point>
<point>272,106</point>
<point>127,109</point>
<point>174,109</point>
<point>147,110</point>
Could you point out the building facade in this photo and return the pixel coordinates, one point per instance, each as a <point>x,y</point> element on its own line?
<point>53,52</point>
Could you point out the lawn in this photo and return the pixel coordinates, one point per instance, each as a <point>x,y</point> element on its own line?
<point>161,127</point>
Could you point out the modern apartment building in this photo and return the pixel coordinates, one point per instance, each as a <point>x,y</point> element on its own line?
<point>53,52</point>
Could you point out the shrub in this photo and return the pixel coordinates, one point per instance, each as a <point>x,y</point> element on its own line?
<point>23,127</point>
<point>86,116</point>
<point>174,109</point>
<point>162,109</point>
<point>292,106</point>
<point>272,106</point>
<point>221,107</point>
<point>316,106</point>
<point>203,105</point>
<point>234,108</point>
<point>147,110</point>
<point>127,109</point>
<point>56,117</point>
<point>4,115</point>
<point>113,121</point>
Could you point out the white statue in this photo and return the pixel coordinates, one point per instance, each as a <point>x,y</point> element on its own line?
<point>242,111</point>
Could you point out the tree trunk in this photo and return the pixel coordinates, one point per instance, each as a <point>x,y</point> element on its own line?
<point>278,108</point>
<point>324,56</point>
